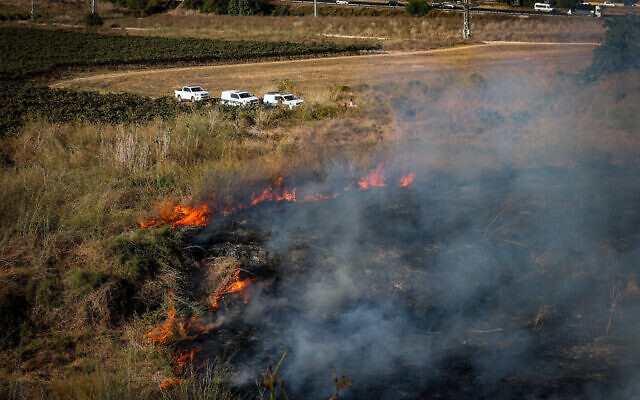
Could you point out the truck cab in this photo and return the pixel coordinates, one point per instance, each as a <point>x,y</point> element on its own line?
<point>238,98</point>
<point>191,93</point>
<point>284,99</point>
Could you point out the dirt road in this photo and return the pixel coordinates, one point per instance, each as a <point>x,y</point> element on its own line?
<point>486,58</point>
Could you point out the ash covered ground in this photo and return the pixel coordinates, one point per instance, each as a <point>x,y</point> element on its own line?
<point>518,284</point>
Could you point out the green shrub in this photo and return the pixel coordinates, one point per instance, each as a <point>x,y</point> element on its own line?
<point>620,49</point>
<point>280,11</point>
<point>247,7</point>
<point>134,256</point>
<point>417,8</point>
<point>8,13</point>
<point>46,292</point>
<point>83,282</point>
<point>93,20</point>
<point>565,3</point>
<point>143,253</point>
<point>152,7</point>
<point>477,80</point>
<point>215,6</point>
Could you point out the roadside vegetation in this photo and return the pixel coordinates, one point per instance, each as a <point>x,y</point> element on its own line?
<point>397,32</point>
<point>620,49</point>
<point>10,13</point>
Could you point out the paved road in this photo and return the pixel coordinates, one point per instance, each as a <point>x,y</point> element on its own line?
<point>476,10</point>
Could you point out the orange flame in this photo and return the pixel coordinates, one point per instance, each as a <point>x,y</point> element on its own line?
<point>181,216</point>
<point>161,333</point>
<point>407,179</point>
<point>235,286</point>
<point>374,179</point>
<point>167,383</point>
<point>186,358</point>
<point>276,193</point>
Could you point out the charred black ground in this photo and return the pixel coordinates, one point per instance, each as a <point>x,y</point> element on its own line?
<point>496,286</point>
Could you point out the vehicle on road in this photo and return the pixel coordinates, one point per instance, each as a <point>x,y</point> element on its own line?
<point>448,6</point>
<point>436,4</point>
<point>543,7</point>
<point>283,99</point>
<point>393,3</point>
<point>609,4</point>
<point>238,98</point>
<point>583,11</point>
<point>192,94</point>
<point>343,2</point>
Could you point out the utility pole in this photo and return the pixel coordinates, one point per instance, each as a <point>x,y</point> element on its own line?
<point>33,10</point>
<point>93,7</point>
<point>466,29</point>
<point>315,8</point>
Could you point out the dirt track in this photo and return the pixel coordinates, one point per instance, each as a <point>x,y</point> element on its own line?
<point>486,58</point>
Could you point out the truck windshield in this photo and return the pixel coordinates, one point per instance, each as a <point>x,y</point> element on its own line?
<point>245,95</point>
<point>197,89</point>
<point>290,97</point>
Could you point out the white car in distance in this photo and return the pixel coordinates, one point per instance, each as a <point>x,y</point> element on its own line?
<point>284,99</point>
<point>609,4</point>
<point>238,98</point>
<point>192,94</point>
<point>343,2</point>
<point>543,7</point>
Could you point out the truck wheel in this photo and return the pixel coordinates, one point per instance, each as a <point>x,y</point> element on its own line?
<point>193,99</point>
<point>179,99</point>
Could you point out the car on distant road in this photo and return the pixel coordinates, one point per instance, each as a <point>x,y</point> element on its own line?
<point>393,3</point>
<point>436,4</point>
<point>585,3</point>
<point>343,2</point>
<point>449,6</point>
<point>238,98</point>
<point>543,7</point>
<point>192,94</point>
<point>581,10</point>
<point>283,99</point>
<point>609,4</point>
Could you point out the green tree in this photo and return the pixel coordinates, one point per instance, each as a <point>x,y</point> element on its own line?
<point>620,49</point>
<point>417,8</point>
<point>215,6</point>
<point>565,3</point>
<point>247,7</point>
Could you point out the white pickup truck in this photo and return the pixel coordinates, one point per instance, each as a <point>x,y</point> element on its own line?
<point>238,98</point>
<point>192,94</point>
<point>284,99</point>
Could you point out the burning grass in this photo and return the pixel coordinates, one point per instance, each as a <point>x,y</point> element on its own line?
<point>74,260</point>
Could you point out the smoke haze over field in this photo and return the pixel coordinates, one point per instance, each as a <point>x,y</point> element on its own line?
<point>493,275</point>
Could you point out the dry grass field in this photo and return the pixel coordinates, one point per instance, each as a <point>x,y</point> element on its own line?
<point>402,32</point>
<point>316,75</point>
